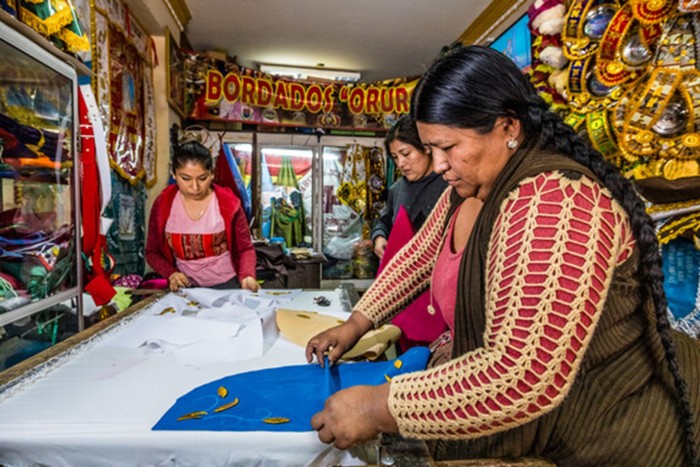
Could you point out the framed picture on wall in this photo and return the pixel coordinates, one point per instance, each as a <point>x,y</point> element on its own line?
<point>175,72</point>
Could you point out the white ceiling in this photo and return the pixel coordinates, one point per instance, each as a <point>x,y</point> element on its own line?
<point>382,39</point>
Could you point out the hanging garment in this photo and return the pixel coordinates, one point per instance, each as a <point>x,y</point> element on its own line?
<point>73,35</point>
<point>94,244</point>
<point>46,17</point>
<point>126,238</point>
<point>286,222</point>
<point>286,176</point>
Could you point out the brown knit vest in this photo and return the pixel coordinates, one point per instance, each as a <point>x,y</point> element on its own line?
<point>624,354</point>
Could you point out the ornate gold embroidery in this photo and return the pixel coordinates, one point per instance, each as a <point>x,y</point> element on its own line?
<point>192,416</point>
<point>221,408</point>
<point>276,420</point>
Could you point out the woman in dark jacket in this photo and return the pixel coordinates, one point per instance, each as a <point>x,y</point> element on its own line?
<point>417,190</point>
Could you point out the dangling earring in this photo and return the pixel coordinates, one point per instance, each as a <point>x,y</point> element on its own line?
<point>512,143</point>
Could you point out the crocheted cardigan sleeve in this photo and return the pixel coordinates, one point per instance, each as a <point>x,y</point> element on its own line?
<point>550,260</point>
<point>409,270</point>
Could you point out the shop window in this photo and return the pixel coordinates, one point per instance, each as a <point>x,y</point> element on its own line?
<point>325,196</point>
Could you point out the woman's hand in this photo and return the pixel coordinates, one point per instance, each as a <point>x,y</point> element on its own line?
<point>178,280</point>
<point>354,415</point>
<point>379,246</point>
<point>249,283</point>
<point>338,339</point>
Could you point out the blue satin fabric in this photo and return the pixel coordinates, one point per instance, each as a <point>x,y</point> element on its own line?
<point>291,394</point>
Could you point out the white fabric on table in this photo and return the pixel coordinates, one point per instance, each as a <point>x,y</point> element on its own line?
<point>97,406</point>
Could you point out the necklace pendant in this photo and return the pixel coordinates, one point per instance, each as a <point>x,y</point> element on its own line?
<point>431,309</point>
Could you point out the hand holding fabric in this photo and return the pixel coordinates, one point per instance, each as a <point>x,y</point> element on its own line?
<point>354,415</point>
<point>337,340</point>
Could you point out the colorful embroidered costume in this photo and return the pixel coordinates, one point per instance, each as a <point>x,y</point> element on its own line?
<point>160,255</point>
<point>554,353</point>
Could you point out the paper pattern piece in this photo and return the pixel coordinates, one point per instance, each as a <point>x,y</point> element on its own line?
<point>207,325</point>
<point>300,326</point>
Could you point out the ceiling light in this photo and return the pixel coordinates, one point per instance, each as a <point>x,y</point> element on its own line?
<point>304,73</point>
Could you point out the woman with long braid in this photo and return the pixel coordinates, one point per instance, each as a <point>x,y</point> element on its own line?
<point>561,344</point>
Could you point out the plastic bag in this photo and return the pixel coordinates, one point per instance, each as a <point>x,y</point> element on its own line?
<point>342,247</point>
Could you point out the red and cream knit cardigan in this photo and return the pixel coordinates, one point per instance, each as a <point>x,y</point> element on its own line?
<point>551,257</point>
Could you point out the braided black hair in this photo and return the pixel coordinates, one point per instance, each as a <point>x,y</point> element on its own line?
<point>471,87</point>
<point>555,133</point>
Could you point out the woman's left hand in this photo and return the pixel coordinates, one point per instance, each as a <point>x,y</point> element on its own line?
<point>249,283</point>
<point>354,415</point>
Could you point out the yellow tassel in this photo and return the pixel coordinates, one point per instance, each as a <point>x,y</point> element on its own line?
<point>74,42</point>
<point>48,26</point>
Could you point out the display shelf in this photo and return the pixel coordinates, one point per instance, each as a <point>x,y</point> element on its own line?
<point>40,244</point>
<point>33,307</point>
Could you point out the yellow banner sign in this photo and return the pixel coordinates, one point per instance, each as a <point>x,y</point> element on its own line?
<point>247,96</point>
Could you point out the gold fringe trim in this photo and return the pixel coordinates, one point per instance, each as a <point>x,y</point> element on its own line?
<point>49,26</point>
<point>672,206</point>
<point>132,179</point>
<point>28,117</point>
<point>675,229</point>
<point>74,42</point>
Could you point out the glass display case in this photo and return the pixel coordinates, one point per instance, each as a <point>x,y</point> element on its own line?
<point>352,188</point>
<point>322,193</point>
<point>40,260</point>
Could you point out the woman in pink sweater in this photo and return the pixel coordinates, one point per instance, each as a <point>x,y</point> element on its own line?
<point>198,233</point>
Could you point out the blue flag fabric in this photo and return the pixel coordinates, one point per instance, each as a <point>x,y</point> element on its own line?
<point>681,266</point>
<point>238,178</point>
<point>278,399</point>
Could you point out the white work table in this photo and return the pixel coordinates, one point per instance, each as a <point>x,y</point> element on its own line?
<point>95,403</point>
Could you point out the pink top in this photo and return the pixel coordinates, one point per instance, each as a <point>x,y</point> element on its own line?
<point>445,274</point>
<point>199,246</point>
